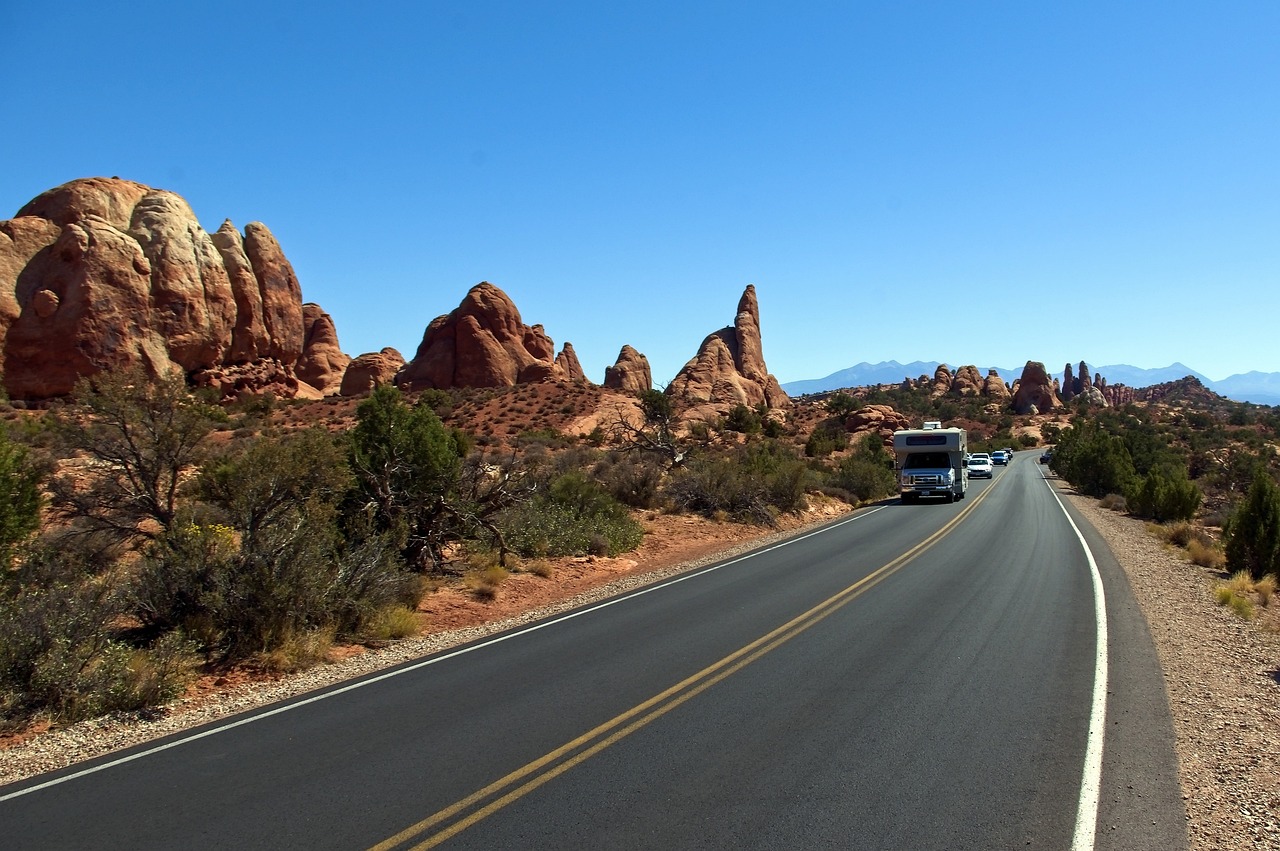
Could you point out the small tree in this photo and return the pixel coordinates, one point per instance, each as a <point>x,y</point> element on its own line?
<point>406,466</point>
<point>658,432</point>
<point>1253,532</point>
<point>144,433</point>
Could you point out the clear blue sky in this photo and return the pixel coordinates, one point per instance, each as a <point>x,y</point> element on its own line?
<point>983,183</point>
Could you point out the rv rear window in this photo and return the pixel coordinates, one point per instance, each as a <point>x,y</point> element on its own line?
<point>926,440</point>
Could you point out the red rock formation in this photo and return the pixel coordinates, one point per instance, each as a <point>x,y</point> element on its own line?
<point>967,382</point>
<point>1068,387</point>
<point>881,419</point>
<point>322,364</point>
<point>369,370</point>
<point>941,380</point>
<point>102,273</point>
<point>1035,391</point>
<point>993,387</point>
<point>729,368</point>
<point>567,360</point>
<point>629,373</point>
<point>482,343</point>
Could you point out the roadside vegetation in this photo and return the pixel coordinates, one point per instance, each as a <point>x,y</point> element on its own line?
<point>152,536</point>
<point>1206,479</point>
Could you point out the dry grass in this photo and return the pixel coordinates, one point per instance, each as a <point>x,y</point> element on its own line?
<point>390,624</point>
<point>1206,555</point>
<point>1244,594</point>
<point>297,652</point>
<point>483,583</point>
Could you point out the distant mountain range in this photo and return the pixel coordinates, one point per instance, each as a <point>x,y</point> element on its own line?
<point>1260,388</point>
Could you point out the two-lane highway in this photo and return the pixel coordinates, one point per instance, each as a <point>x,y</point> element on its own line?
<point>914,676</point>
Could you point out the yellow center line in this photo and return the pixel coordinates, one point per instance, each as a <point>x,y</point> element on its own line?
<point>614,730</point>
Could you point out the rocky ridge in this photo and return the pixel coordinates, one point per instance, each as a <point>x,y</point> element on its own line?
<point>108,274</point>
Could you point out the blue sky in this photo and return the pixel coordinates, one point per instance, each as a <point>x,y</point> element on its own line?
<point>983,183</point>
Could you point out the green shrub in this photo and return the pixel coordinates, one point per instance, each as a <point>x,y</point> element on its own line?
<point>1165,495</point>
<point>1094,462</point>
<point>575,516</point>
<point>1252,533</point>
<point>20,499</point>
<point>867,474</point>
<point>825,439</point>
<point>743,420</point>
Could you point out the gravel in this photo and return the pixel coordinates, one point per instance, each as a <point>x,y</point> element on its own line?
<point>1222,675</point>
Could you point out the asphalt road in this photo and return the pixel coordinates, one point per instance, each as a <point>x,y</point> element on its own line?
<point>913,676</point>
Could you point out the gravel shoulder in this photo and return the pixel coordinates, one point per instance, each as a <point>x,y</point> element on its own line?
<point>1222,676</point>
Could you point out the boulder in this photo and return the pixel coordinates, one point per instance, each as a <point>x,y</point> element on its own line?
<point>367,371</point>
<point>629,373</point>
<point>729,367</point>
<point>882,419</point>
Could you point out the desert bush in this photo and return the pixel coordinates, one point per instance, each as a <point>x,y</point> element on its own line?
<point>1114,502</point>
<point>575,516</point>
<point>240,596</point>
<point>634,479</point>
<point>840,404</point>
<point>407,466</point>
<point>20,498</point>
<point>391,623</point>
<point>1265,588</point>
<point>1252,533</point>
<point>484,583</point>
<point>1236,593</point>
<point>752,484</point>
<point>743,420</point>
<point>60,652</point>
<point>1178,534</point>
<point>1093,461</point>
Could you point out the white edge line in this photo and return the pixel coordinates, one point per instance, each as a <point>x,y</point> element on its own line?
<point>1091,776</point>
<point>212,731</point>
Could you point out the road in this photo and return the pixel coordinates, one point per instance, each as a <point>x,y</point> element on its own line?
<point>916,676</point>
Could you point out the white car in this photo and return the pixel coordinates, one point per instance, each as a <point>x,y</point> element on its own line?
<point>980,466</point>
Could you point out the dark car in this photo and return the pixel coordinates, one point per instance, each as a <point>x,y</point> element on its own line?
<point>1046,456</point>
<point>1000,457</point>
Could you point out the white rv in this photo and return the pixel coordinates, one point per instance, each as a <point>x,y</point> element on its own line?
<point>930,461</point>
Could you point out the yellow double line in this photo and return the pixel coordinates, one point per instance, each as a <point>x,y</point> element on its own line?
<point>472,809</point>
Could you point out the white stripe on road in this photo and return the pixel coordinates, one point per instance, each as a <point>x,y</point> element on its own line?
<point>1091,776</point>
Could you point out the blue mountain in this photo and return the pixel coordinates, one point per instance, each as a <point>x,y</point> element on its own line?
<point>1260,388</point>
